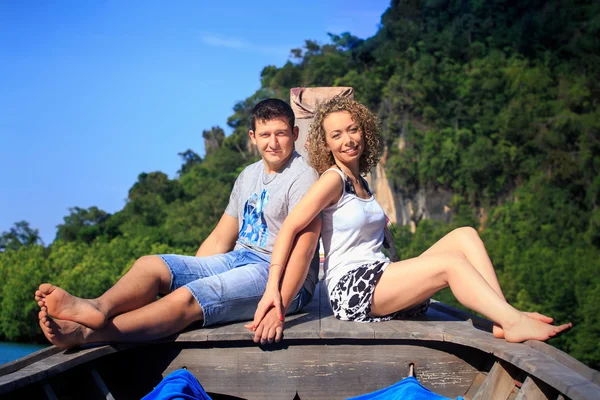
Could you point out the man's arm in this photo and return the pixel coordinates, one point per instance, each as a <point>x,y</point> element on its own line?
<point>271,327</point>
<point>221,239</point>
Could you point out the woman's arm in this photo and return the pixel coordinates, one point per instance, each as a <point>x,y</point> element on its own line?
<point>303,253</point>
<point>326,191</point>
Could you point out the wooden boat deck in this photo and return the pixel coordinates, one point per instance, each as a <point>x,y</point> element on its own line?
<point>452,351</point>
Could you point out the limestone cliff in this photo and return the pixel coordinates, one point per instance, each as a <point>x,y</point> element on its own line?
<point>426,203</point>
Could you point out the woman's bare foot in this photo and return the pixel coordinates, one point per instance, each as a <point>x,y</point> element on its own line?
<point>63,334</point>
<point>527,327</point>
<point>64,306</point>
<point>498,332</point>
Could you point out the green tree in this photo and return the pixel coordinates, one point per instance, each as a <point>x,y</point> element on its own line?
<point>21,234</point>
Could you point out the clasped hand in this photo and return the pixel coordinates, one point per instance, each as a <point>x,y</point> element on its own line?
<point>268,318</point>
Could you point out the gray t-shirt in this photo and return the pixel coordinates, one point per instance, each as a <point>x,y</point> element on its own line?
<point>261,201</point>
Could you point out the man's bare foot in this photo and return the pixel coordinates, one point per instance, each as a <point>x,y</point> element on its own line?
<point>527,328</point>
<point>498,332</point>
<point>64,306</point>
<point>63,334</point>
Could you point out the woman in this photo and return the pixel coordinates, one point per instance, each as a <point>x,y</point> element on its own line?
<point>362,283</point>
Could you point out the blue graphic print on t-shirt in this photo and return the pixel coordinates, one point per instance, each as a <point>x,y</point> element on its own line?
<point>254,229</point>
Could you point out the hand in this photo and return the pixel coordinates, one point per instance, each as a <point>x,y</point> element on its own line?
<point>269,329</point>
<point>271,299</point>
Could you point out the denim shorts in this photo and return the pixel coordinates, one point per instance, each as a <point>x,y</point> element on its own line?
<point>227,286</point>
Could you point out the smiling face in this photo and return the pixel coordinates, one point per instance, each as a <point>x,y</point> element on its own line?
<point>275,142</point>
<point>343,137</point>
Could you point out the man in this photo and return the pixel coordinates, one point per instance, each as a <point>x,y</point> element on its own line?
<point>228,275</point>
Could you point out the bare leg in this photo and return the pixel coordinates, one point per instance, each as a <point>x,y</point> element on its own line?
<point>410,282</point>
<point>466,241</point>
<point>158,319</point>
<point>148,277</point>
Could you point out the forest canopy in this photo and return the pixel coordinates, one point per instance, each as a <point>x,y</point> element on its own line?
<point>496,102</point>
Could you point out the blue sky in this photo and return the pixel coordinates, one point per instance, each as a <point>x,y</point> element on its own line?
<point>95,92</point>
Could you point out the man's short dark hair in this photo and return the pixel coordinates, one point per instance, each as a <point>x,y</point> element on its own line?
<point>270,109</point>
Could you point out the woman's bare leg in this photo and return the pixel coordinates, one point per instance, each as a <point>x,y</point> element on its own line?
<point>148,277</point>
<point>156,320</point>
<point>407,283</point>
<point>466,240</point>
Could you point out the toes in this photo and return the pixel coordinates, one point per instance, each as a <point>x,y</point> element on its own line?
<point>565,327</point>
<point>46,288</point>
<point>544,318</point>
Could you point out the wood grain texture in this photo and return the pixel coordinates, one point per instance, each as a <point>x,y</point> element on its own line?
<point>322,372</point>
<point>497,386</point>
<point>442,329</point>
<point>532,390</point>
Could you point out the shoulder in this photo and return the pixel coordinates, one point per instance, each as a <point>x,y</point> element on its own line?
<point>252,170</point>
<point>334,171</point>
<point>333,177</point>
<point>299,169</point>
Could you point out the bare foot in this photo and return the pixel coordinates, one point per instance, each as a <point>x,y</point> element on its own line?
<point>67,307</point>
<point>527,327</point>
<point>499,332</point>
<point>63,334</point>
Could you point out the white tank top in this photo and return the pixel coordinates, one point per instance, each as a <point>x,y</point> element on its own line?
<point>352,234</point>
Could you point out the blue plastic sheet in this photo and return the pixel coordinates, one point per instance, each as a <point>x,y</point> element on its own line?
<point>406,389</point>
<point>178,385</point>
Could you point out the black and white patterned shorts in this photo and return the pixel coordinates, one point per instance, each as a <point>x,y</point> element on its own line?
<point>352,296</point>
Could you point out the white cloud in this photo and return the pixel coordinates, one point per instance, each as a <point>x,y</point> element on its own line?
<point>216,40</point>
<point>219,41</point>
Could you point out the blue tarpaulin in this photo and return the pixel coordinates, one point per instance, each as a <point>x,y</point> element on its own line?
<point>182,385</point>
<point>178,385</point>
<point>406,389</point>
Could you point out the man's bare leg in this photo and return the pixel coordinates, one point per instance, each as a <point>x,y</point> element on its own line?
<point>148,277</point>
<point>466,240</point>
<point>156,320</point>
<point>410,282</point>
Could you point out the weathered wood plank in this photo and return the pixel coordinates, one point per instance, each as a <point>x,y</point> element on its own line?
<point>195,333</point>
<point>477,382</point>
<point>50,395</point>
<point>322,371</point>
<point>54,365</point>
<point>535,390</point>
<point>28,360</point>
<point>497,386</point>
<point>566,360</point>
<point>408,329</point>
<point>317,323</point>
<point>306,323</point>
<point>101,385</point>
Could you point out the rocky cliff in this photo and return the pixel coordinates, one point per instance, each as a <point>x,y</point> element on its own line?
<point>409,209</point>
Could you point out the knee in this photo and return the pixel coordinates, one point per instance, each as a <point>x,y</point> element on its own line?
<point>147,263</point>
<point>154,266</point>
<point>466,234</point>
<point>187,304</point>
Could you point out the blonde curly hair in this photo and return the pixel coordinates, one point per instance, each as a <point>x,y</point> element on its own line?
<point>320,158</point>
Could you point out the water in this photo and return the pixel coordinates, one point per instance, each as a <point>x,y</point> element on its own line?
<point>10,351</point>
